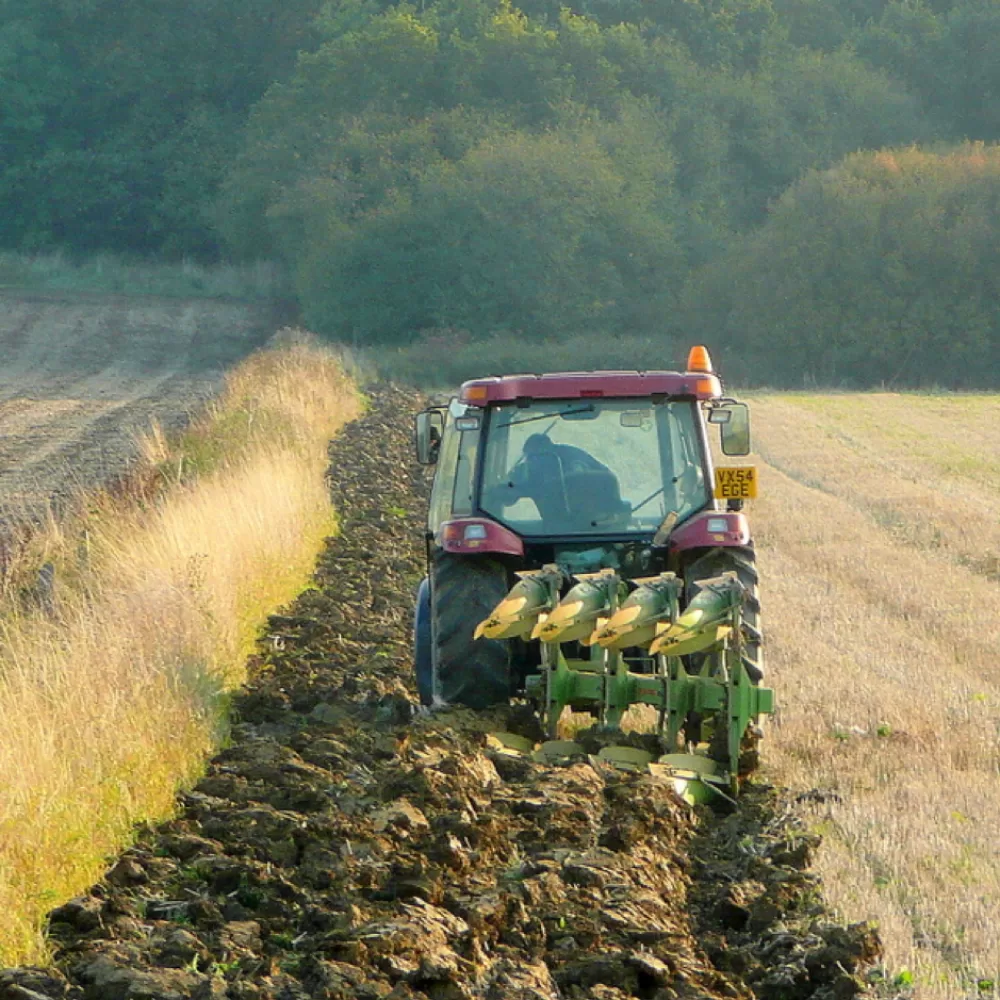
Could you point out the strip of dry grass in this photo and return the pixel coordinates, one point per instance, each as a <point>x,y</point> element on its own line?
<point>879,545</point>
<point>927,474</point>
<point>111,700</point>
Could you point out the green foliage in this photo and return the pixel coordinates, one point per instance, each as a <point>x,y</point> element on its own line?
<point>883,271</point>
<point>118,119</point>
<point>944,52</point>
<point>468,166</point>
<point>506,170</point>
<point>445,358</point>
<point>467,248</point>
<point>808,111</point>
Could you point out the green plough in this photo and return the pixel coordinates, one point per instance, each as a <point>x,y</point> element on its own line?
<point>639,648</point>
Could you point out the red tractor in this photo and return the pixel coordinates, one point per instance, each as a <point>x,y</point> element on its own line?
<point>603,478</point>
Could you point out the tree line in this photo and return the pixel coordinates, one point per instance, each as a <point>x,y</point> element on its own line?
<point>807,185</point>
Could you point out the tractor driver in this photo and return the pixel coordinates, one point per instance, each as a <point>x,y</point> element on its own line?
<point>564,482</point>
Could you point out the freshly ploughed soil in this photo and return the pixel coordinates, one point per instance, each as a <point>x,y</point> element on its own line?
<point>346,846</point>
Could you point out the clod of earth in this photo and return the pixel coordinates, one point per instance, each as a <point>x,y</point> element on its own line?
<point>346,847</point>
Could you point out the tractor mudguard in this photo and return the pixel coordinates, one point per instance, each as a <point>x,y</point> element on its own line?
<point>423,655</point>
<point>478,536</point>
<point>711,529</point>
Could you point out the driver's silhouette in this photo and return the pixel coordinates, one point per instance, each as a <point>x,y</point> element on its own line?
<point>568,485</point>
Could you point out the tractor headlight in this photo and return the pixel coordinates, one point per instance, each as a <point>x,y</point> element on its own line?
<point>474,532</point>
<point>717,525</point>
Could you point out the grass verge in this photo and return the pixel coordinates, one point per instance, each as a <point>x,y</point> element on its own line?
<point>113,691</point>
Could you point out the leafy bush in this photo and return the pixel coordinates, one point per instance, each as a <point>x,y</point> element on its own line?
<point>882,271</point>
<point>469,247</point>
<point>470,166</point>
<point>443,359</point>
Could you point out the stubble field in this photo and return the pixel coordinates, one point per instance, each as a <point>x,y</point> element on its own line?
<point>879,539</point>
<point>81,374</point>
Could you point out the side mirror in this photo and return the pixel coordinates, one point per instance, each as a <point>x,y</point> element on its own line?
<point>428,429</point>
<point>734,425</point>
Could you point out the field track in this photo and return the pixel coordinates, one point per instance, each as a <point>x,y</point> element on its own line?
<point>340,848</point>
<point>81,374</point>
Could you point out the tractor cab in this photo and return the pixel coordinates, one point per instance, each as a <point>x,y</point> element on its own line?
<point>586,468</point>
<point>595,467</point>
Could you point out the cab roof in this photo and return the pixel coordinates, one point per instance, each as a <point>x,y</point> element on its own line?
<point>589,385</point>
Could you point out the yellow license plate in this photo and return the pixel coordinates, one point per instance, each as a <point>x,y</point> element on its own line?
<point>736,482</point>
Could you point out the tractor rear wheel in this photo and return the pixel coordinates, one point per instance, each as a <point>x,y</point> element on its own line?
<point>468,671</point>
<point>743,561</point>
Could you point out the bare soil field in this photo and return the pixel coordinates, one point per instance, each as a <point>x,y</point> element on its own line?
<point>82,373</point>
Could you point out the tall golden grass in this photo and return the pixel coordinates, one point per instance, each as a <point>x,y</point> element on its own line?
<point>879,537</point>
<point>112,695</point>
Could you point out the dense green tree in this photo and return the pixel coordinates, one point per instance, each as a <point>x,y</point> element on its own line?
<point>972,84</point>
<point>945,53</point>
<point>885,270</point>
<point>112,115</point>
<point>386,96</point>
<point>466,246</point>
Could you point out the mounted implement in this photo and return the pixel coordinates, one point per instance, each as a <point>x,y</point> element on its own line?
<point>585,553</point>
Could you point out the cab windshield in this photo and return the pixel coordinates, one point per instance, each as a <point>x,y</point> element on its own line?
<point>587,466</point>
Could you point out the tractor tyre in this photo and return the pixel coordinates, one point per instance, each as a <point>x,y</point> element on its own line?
<point>468,671</point>
<point>741,560</point>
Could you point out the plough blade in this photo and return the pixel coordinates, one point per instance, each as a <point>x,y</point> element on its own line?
<point>706,619</point>
<point>718,699</point>
<point>635,623</point>
<point>535,594</point>
<point>576,616</point>
<point>695,778</point>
